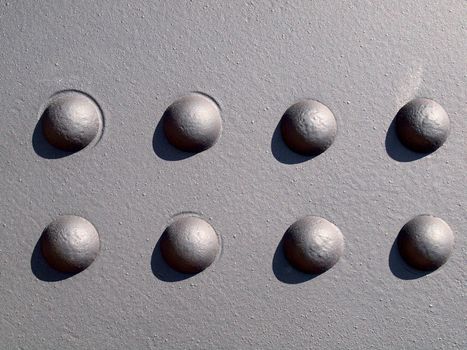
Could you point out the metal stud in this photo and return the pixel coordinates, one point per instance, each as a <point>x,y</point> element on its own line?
<point>313,244</point>
<point>426,242</point>
<point>422,125</point>
<point>308,127</point>
<point>193,123</point>
<point>70,243</point>
<point>189,245</point>
<point>71,121</point>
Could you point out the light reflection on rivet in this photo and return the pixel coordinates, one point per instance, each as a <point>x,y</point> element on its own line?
<point>189,244</point>
<point>425,242</point>
<point>70,243</point>
<point>313,244</point>
<point>71,121</point>
<point>422,125</point>
<point>193,123</point>
<point>308,127</point>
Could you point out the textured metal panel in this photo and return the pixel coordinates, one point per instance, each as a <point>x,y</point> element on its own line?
<point>135,58</point>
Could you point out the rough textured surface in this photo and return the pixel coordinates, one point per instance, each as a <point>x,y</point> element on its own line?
<point>426,242</point>
<point>313,244</point>
<point>70,244</point>
<point>189,244</point>
<point>193,123</point>
<point>256,57</point>
<point>308,127</point>
<point>71,121</point>
<point>422,125</point>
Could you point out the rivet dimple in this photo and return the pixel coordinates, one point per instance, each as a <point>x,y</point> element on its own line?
<point>189,244</point>
<point>313,244</point>
<point>425,242</point>
<point>70,243</point>
<point>308,127</point>
<point>422,125</point>
<point>71,121</point>
<point>193,123</point>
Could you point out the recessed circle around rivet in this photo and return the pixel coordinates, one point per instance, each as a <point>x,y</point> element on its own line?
<point>189,244</point>
<point>193,123</point>
<point>422,125</point>
<point>70,243</point>
<point>425,242</point>
<point>71,121</point>
<point>313,244</point>
<point>308,127</point>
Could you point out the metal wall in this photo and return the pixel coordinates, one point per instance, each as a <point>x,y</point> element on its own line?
<point>363,59</point>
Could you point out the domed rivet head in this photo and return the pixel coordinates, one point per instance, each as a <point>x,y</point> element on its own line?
<point>425,242</point>
<point>193,123</point>
<point>71,121</point>
<point>422,125</point>
<point>313,244</point>
<point>308,127</point>
<point>70,244</point>
<point>189,245</point>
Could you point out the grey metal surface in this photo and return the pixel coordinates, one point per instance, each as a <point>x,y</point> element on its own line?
<point>362,60</point>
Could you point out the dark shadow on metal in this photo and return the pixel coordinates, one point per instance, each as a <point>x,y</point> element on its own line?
<point>42,147</point>
<point>42,270</point>
<point>163,148</point>
<point>285,272</point>
<point>400,268</point>
<point>282,152</point>
<point>396,150</point>
<point>162,270</point>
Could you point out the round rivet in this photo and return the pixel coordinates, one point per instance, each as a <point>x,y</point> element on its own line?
<point>189,244</point>
<point>193,123</point>
<point>70,244</point>
<point>71,121</point>
<point>425,242</point>
<point>313,244</point>
<point>308,127</point>
<point>422,125</point>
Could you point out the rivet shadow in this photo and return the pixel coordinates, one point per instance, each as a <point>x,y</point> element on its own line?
<point>163,148</point>
<point>396,150</point>
<point>162,270</point>
<point>400,268</point>
<point>285,272</point>
<point>42,147</point>
<point>42,270</point>
<point>282,152</point>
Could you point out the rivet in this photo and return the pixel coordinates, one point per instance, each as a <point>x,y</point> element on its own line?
<point>71,121</point>
<point>193,123</point>
<point>189,244</point>
<point>422,125</point>
<point>70,243</point>
<point>308,127</point>
<point>425,242</point>
<point>313,244</point>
